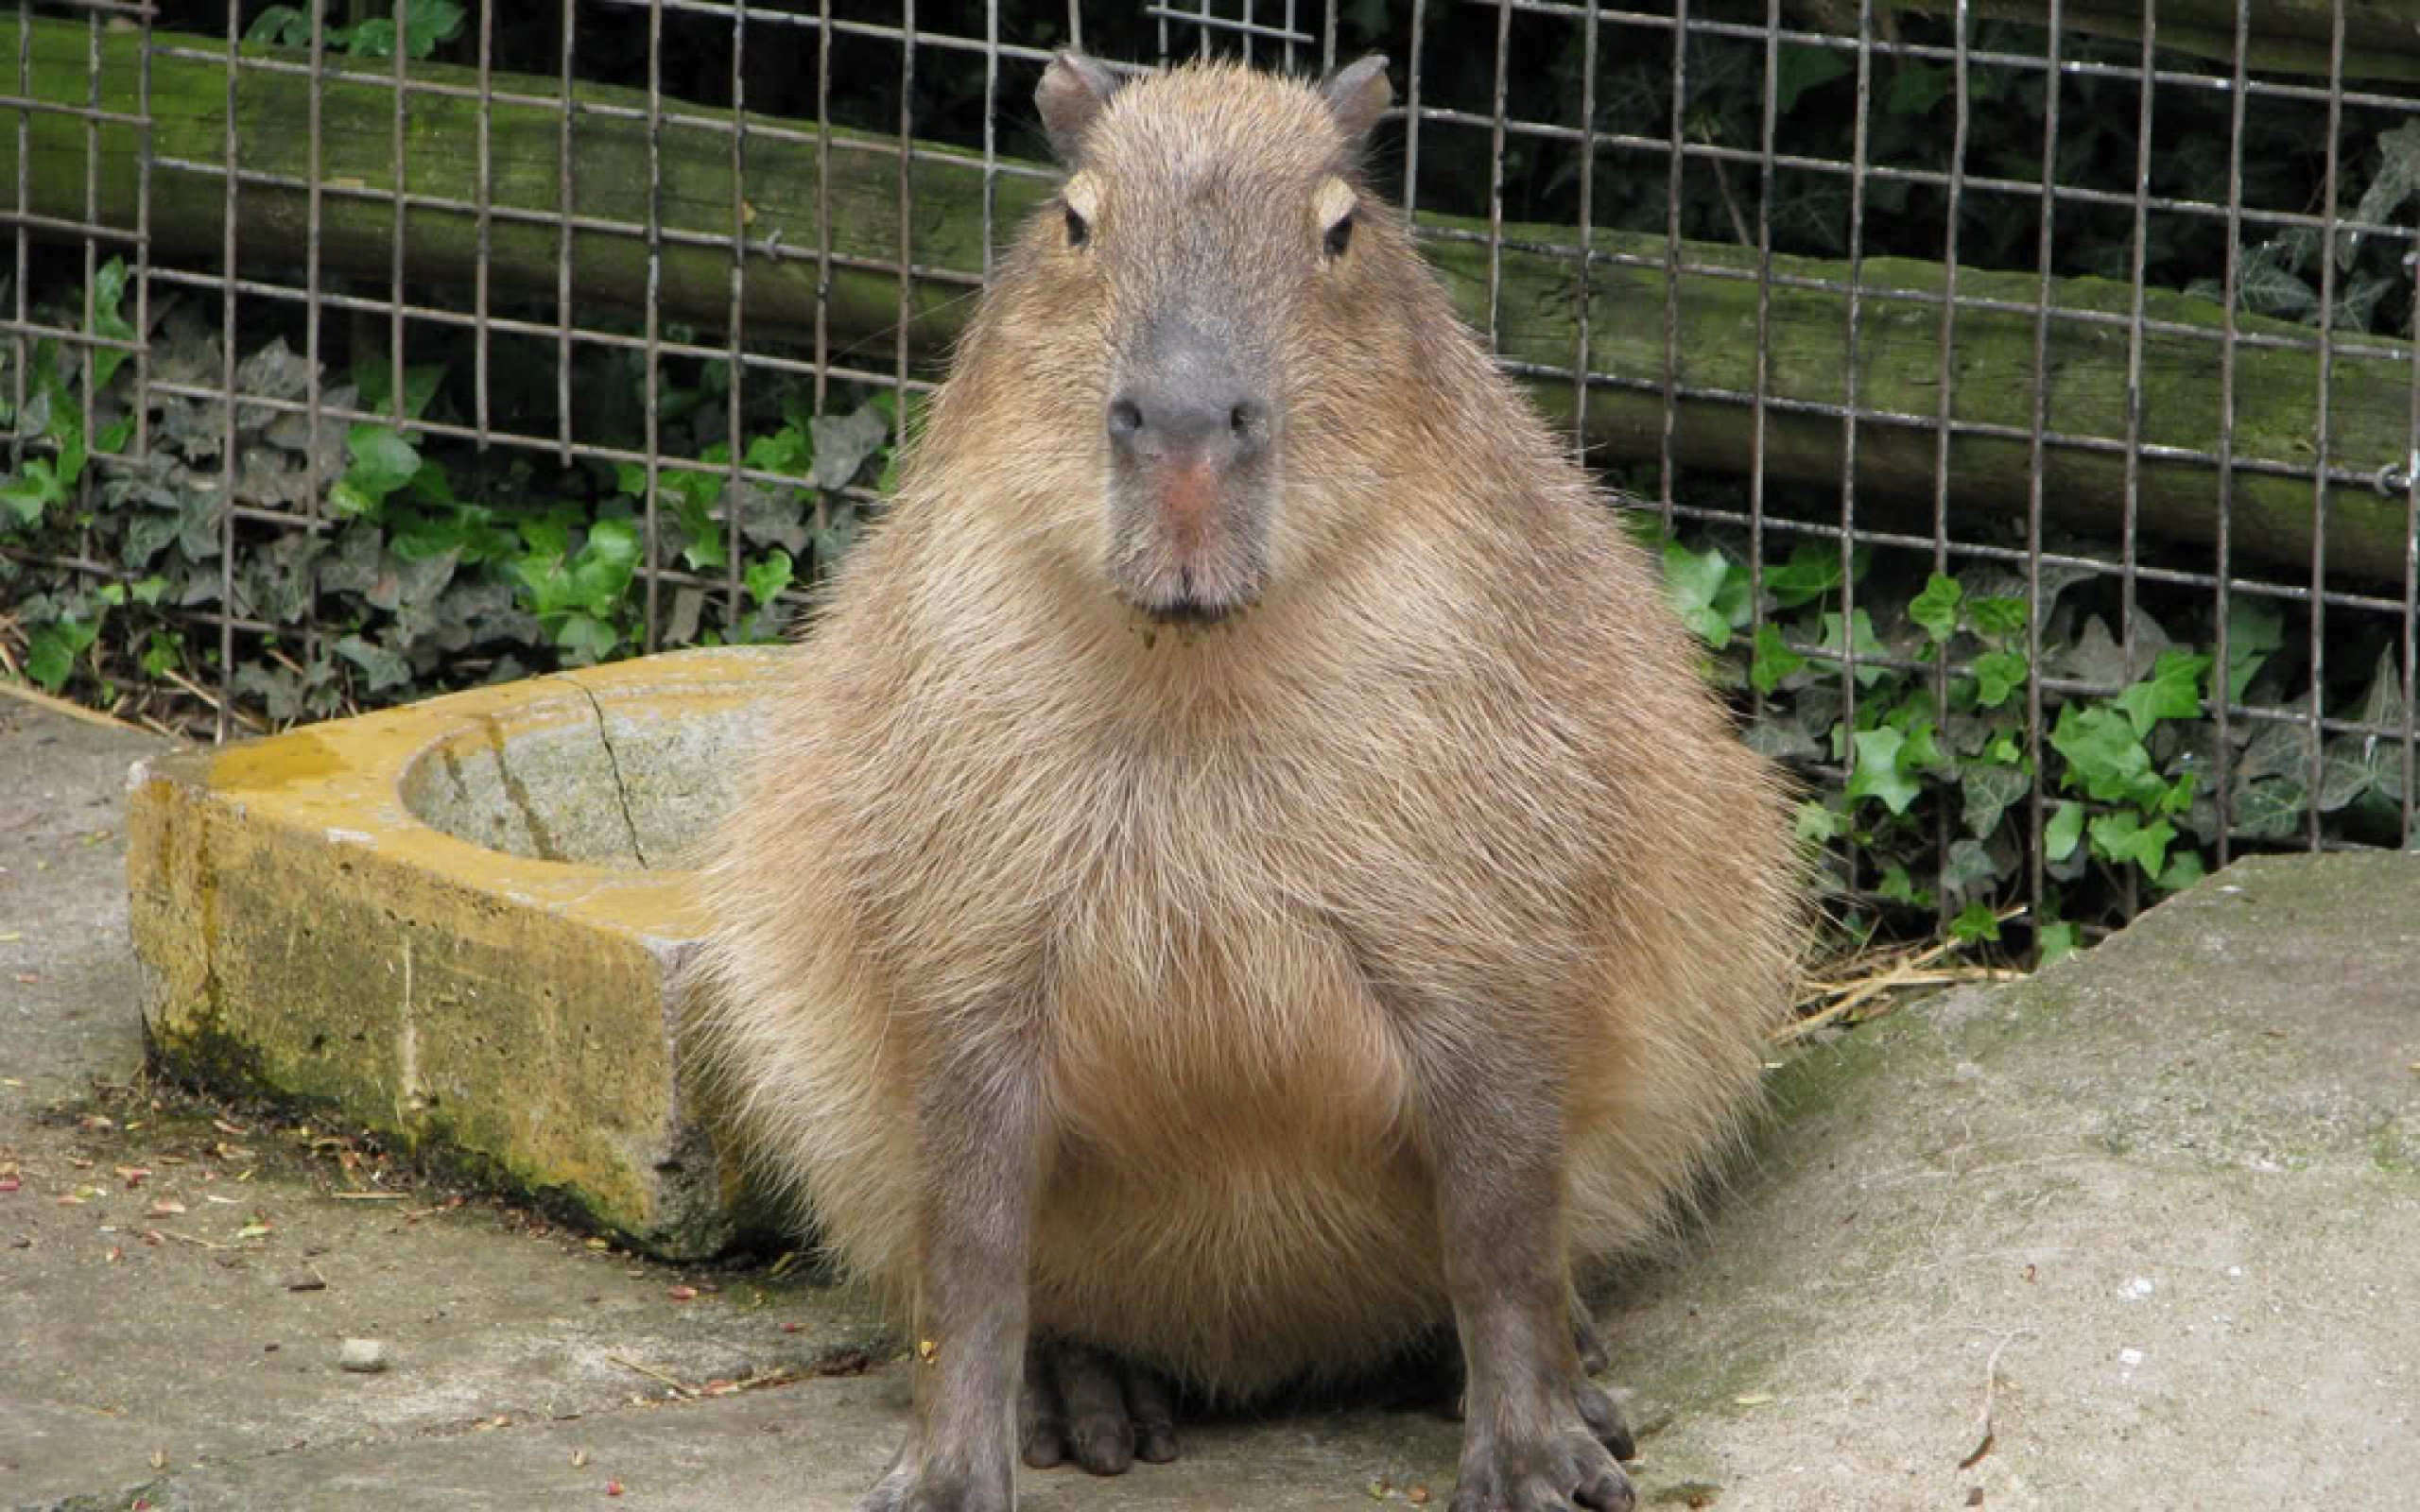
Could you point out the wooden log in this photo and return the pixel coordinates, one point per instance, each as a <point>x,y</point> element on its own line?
<point>2275,391</point>
<point>2382,37</point>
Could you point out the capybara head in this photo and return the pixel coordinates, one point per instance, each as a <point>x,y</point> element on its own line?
<point>1213,237</point>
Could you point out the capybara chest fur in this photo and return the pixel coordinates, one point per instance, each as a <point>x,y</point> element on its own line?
<point>1245,869</point>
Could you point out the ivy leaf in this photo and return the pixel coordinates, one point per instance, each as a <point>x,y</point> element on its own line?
<point>1936,607</point>
<point>281,691</point>
<point>384,668</point>
<point>381,462</point>
<point>2185,869</point>
<point>1899,888</point>
<point>2350,769</point>
<point>2172,692</point>
<point>2397,179</point>
<point>1802,67</point>
<point>2256,630</point>
<point>2279,750</point>
<point>2064,830</point>
<point>1996,617</point>
<point>279,26</point>
<point>374,379</point>
<point>160,655</point>
<point>784,451</point>
<point>1990,788</point>
<point>1922,751</point>
<point>1879,774</point>
<point>33,420</point>
<point>109,320</point>
<point>2383,706</point>
<point>693,495</point>
<point>1976,921</point>
<point>1917,88</point>
<point>1782,739</point>
<point>1966,866</point>
<point>1999,675</point>
<point>832,542</point>
<point>2266,283</point>
<point>1813,570</point>
<point>1870,649</point>
<point>2358,306</point>
<point>51,651</point>
<point>1699,584</point>
<point>1774,662</point>
<point>2122,837</point>
<point>32,492</point>
<point>587,585</point>
<point>2104,753</point>
<point>275,372</point>
<point>2270,808</point>
<point>602,571</point>
<point>842,444</point>
<point>2057,939</point>
<point>586,638</point>
<point>427,23</point>
<point>768,576</point>
<point>2095,656</point>
<point>1817,825</point>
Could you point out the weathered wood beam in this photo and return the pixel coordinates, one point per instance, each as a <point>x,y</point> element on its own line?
<point>2382,37</point>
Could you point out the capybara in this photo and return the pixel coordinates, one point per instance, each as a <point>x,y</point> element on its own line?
<point>1246,871</point>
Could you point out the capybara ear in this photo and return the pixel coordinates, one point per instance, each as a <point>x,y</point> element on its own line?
<point>1359,93</point>
<point>1073,89</point>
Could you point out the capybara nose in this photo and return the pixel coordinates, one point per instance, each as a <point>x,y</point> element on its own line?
<point>1154,424</point>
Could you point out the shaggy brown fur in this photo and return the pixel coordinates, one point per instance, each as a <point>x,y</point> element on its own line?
<point>1252,932</point>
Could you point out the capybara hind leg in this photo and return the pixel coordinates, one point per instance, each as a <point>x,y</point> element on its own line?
<point>1094,1407</point>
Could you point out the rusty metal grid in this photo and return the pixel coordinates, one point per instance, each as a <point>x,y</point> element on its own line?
<point>965,42</point>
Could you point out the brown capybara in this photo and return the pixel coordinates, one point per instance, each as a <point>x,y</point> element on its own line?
<point>1245,871</point>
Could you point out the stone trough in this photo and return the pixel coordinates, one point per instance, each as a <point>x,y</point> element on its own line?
<point>460,924</point>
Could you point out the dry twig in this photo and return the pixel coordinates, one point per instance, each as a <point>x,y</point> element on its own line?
<point>674,1381</point>
<point>1864,978</point>
<point>1991,1391</point>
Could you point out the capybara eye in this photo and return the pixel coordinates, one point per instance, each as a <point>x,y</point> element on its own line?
<point>1336,204</point>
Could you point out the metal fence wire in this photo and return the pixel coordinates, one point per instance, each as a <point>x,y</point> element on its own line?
<point>2101,306</point>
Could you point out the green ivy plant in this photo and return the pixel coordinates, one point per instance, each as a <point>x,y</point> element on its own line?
<point>1936,743</point>
<point>424,24</point>
<point>433,565</point>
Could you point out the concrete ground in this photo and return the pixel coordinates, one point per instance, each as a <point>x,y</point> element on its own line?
<point>2143,1232</point>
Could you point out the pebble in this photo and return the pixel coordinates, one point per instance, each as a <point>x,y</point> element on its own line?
<point>366,1356</point>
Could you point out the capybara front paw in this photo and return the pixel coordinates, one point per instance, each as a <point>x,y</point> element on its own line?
<point>1562,1471</point>
<point>913,1484</point>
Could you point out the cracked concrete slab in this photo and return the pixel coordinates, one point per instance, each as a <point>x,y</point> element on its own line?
<point>2157,1210</point>
<point>2141,1232</point>
<point>65,968</point>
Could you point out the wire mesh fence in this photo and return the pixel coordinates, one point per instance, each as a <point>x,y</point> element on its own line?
<point>358,350</point>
